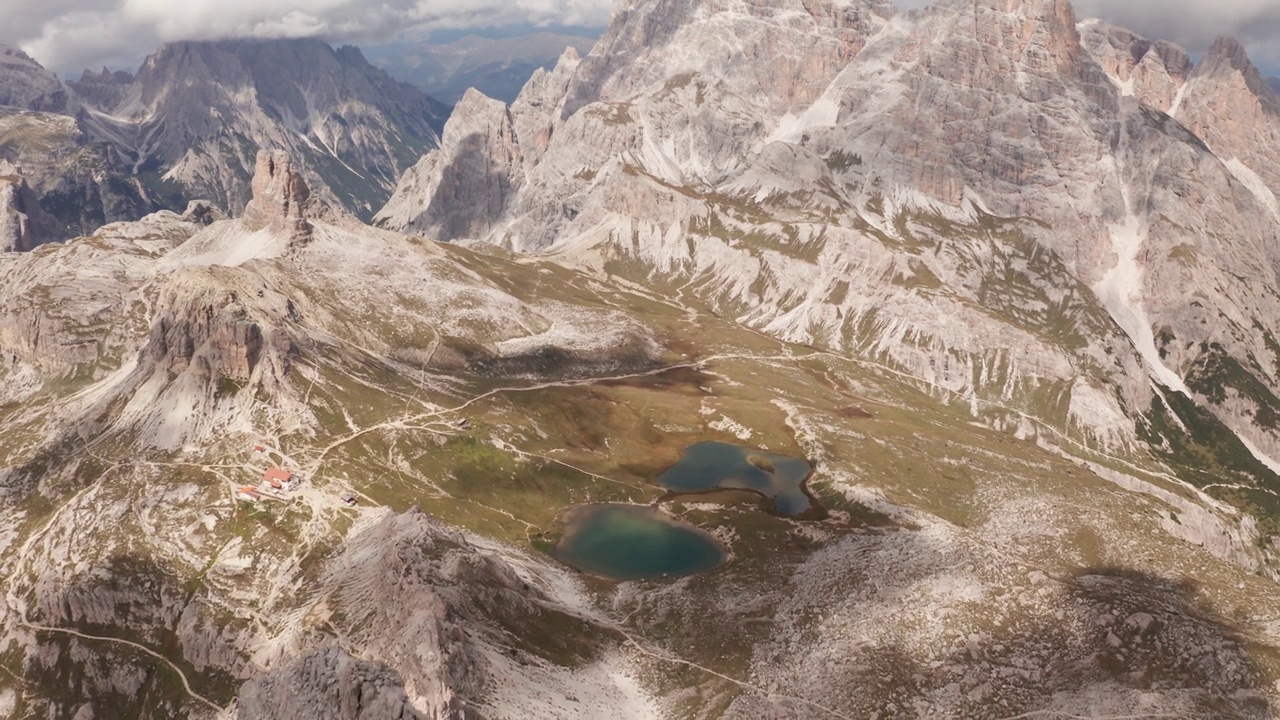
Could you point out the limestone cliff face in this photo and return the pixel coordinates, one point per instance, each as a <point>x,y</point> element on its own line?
<point>916,131</point>
<point>476,172</point>
<point>23,223</point>
<point>328,685</point>
<point>213,334</point>
<point>281,197</point>
<point>26,84</point>
<point>1153,72</point>
<point>1229,105</point>
<point>778,54</point>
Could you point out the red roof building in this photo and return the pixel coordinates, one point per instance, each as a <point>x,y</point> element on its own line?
<point>280,479</point>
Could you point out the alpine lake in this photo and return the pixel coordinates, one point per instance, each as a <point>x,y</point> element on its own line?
<point>624,542</point>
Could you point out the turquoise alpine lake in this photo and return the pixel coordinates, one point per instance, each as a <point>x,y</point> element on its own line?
<point>634,542</point>
<point>710,466</point>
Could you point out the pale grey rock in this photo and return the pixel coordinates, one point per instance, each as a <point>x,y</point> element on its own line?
<point>537,108</point>
<point>467,183</point>
<point>779,55</point>
<point>200,111</point>
<point>916,131</point>
<point>1229,105</point>
<point>202,212</point>
<point>104,89</point>
<point>83,184</point>
<point>281,197</point>
<point>23,223</point>
<point>328,685</point>
<point>64,308</point>
<point>1154,72</point>
<point>26,84</point>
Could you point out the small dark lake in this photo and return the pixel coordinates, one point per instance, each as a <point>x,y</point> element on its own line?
<point>632,542</point>
<point>712,466</point>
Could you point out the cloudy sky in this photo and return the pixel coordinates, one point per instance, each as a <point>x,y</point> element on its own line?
<point>67,35</point>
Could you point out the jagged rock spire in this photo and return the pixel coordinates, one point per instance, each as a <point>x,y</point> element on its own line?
<point>281,197</point>
<point>1227,58</point>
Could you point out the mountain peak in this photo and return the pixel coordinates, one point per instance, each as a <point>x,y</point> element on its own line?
<point>786,51</point>
<point>1227,51</point>
<point>1229,57</point>
<point>1153,72</point>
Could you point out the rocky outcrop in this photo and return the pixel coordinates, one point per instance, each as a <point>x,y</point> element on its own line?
<point>328,685</point>
<point>417,596</point>
<point>25,84</point>
<point>206,108</point>
<point>68,308</point>
<point>1153,72</point>
<point>215,336</point>
<point>1231,107</point>
<point>105,89</point>
<point>83,184</point>
<point>23,223</point>
<point>461,189</point>
<point>281,198</point>
<point>213,324</point>
<point>202,212</point>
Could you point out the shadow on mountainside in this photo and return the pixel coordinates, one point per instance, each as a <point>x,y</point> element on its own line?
<point>895,624</point>
<point>471,195</point>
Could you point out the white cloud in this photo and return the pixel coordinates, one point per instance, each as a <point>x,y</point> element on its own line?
<point>70,34</point>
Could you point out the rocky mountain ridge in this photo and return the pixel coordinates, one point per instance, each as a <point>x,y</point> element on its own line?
<point>143,364</point>
<point>1072,195</point>
<point>115,146</point>
<point>199,111</point>
<point>1017,319</point>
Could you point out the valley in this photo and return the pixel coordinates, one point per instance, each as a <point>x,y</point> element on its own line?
<point>798,360</point>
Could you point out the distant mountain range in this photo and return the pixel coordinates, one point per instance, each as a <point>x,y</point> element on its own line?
<point>498,68</point>
<point>114,146</point>
<point>1274,83</point>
